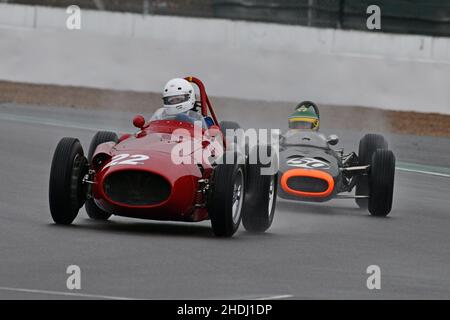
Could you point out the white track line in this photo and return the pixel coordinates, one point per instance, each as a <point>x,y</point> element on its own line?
<point>425,172</point>
<point>98,296</point>
<point>56,123</point>
<point>281,296</point>
<point>62,293</point>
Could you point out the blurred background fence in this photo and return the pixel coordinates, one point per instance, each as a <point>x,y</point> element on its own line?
<point>428,17</point>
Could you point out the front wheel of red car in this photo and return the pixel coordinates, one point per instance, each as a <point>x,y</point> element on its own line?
<point>226,199</point>
<point>67,192</point>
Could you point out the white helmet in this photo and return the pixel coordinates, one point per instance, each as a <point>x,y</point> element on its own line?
<point>178,96</point>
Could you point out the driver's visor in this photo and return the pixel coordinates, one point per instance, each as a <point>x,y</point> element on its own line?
<point>176,99</point>
<point>302,123</point>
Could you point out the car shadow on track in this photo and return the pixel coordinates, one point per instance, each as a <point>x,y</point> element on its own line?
<point>320,208</point>
<point>143,228</point>
<point>159,228</point>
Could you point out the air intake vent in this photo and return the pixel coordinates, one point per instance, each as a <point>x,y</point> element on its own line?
<point>136,188</point>
<point>307,184</point>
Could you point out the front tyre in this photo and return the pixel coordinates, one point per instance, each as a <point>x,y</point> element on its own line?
<point>261,192</point>
<point>99,138</point>
<point>226,199</point>
<point>67,192</point>
<point>367,146</point>
<point>381,182</point>
<point>92,210</point>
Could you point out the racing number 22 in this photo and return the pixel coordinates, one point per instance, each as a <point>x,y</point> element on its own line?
<point>125,158</point>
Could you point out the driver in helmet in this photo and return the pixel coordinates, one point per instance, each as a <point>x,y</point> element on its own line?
<point>179,103</point>
<point>305,117</point>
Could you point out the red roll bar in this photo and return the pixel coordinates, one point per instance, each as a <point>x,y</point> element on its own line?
<point>204,100</point>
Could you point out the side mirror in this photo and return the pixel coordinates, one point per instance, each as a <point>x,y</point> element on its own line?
<point>139,121</point>
<point>333,140</point>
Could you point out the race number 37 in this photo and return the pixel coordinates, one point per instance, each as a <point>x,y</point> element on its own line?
<point>125,158</point>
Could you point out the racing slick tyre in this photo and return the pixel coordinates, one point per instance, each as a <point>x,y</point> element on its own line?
<point>239,141</point>
<point>99,138</point>
<point>367,146</point>
<point>261,191</point>
<point>224,125</point>
<point>229,125</point>
<point>226,198</point>
<point>381,182</point>
<point>92,210</point>
<point>67,193</point>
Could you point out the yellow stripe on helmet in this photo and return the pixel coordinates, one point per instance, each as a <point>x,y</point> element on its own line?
<point>311,120</point>
<point>314,121</point>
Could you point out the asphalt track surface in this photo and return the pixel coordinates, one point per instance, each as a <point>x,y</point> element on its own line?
<point>311,251</point>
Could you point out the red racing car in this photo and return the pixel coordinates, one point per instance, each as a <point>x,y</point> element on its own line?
<point>135,175</point>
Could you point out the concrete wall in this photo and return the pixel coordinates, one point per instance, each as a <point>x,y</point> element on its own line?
<point>235,59</point>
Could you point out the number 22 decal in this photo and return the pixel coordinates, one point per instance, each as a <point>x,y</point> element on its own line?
<point>125,158</point>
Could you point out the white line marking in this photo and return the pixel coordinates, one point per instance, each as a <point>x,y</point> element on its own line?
<point>425,172</point>
<point>98,296</point>
<point>281,296</point>
<point>56,123</point>
<point>62,293</point>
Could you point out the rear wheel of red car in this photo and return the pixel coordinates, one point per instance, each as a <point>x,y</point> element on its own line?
<point>261,191</point>
<point>367,146</point>
<point>381,182</point>
<point>233,127</point>
<point>67,192</point>
<point>226,198</point>
<point>229,125</point>
<point>92,210</point>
